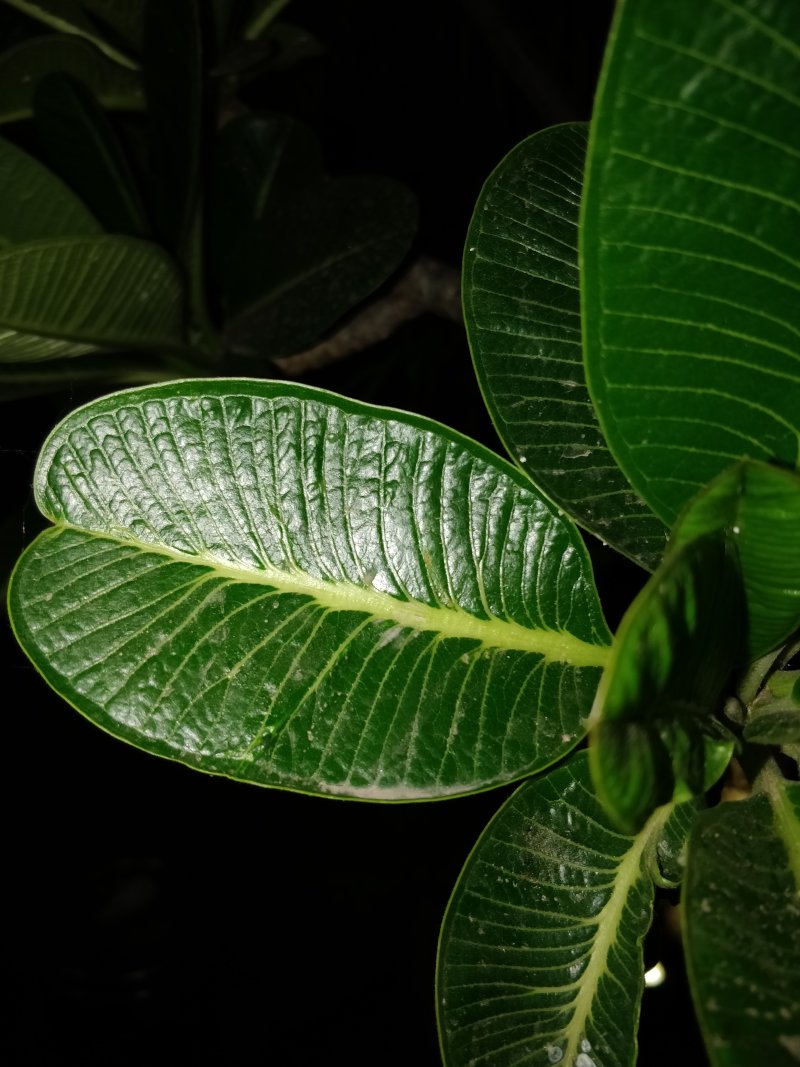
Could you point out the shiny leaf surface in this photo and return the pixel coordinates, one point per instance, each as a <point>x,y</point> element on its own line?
<point>288,588</point>
<point>540,959</point>
<point>67,297</point>
<point>522,312</point>
<point>653,736</point>
<point>742,927</point>
<point>689,251</point>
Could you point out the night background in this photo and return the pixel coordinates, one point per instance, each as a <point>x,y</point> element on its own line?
<point>155,914</point>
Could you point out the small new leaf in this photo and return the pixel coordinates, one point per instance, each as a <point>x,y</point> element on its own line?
<point>653,735</point>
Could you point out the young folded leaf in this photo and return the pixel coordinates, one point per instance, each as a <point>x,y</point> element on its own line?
<point>758,506</point>
<point>742,926</point>
<point>522,313</point>
<point>289,588</point>
<point>653,734</point>
<point>540,957</point>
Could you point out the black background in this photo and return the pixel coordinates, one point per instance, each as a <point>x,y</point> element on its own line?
<point>153,914</point>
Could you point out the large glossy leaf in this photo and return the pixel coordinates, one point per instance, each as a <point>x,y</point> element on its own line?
<point>70,17</point>
<point>522,312</point>
<point>742,927</point>
<point>22,67</point>
<point>690,266</point>
<point>67,297</point>
<point>759,507</point>
<point>540,958</point>
<point>34,203</point>
<point>653,736</point>
<point>271,583</point>
<point>81,145</point>
<point>294,248</point>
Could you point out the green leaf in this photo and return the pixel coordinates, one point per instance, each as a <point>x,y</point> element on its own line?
<point>70,296</point>
<point>22,67</point>
<point>295,249</point>
<point>540,957</point>
<point>269,582</point>
<point>81,145</point>
<point>173,81</point>
<point>742,927</point>
<point>758,506</point>
<point>689,250</point>
<point>653,736</point>
<point>34,203</point>
<point>774,717</point>
<point>522,312</point>
<point>69,17</point>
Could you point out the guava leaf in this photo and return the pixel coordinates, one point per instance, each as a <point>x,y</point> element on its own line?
<point>540,957</point>
<point>742,928</point>
<point>653,735</point>
<point>73,295</point>
<point>522,312</point>
<point>81,145</point>
<point>293,589</point>
<point>34,203</point>
<point>23,66</point>
<point>690,270</point>
<point>295,249</point>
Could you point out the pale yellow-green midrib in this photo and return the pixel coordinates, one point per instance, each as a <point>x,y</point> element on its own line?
<point>557,646</point>
<point>608,922</point>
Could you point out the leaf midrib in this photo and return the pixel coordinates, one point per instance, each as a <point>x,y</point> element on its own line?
<point>609,920</point>
<point>556,646</point>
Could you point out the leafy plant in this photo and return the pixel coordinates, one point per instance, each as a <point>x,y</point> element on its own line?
<point>210,234</point>
<point>273,583</point>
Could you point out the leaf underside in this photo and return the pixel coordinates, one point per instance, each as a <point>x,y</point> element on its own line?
<point>540,960</point>
<point>522,312</point>
<point>742,928</point>
<point>689,250</point>
<point>270,583</point>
